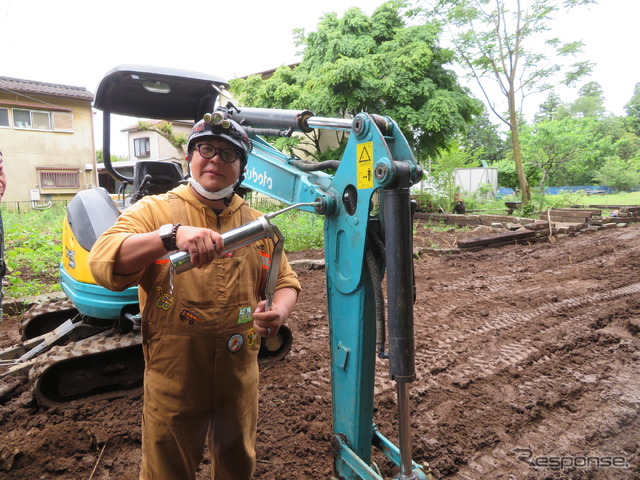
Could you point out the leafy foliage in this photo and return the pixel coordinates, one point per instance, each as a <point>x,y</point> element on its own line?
<point>114,158</point>
<point>375,64</point>
<point>508,177</point>
<point>633,109</point>
<point>483,140</point>
<point>553,143</point>
<point>302,230</point>
<point>618,174</point>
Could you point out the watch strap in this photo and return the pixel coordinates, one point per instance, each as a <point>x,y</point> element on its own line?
<point>173,237</point>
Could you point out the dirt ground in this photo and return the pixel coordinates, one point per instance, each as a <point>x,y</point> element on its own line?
<point>528,367</point>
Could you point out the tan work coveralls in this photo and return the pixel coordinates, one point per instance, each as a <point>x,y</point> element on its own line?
<point>200,348</point>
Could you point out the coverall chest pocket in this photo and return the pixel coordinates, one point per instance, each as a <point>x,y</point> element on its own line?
<point>226,282</point>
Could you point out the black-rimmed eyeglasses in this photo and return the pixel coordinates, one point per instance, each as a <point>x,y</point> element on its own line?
<point>227,155</point>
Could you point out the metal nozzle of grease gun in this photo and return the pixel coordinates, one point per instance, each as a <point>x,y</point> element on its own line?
<point>238,237</point>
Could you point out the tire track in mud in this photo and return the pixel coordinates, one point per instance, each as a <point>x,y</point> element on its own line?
<point>501,283</point>
<point>434,363</point>
<point>562,434</point>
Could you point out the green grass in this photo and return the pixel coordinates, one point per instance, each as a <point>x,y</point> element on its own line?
<point>33,249</point>
<point>624,198</point>
<point>302,230</point>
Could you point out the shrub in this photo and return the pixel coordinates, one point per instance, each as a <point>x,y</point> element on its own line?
<point>618,175</point>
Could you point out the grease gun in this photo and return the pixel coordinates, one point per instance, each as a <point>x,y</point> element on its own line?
<point>242,236</point>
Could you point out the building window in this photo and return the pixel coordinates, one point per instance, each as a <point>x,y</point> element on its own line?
<point>41,120</point>
<point>141,147</point>
<point>21,118</point>
<point>51,178</point>
<point>32,119</point>
<point>4,117</point>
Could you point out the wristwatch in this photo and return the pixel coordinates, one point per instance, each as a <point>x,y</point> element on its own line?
<point>168,234</point>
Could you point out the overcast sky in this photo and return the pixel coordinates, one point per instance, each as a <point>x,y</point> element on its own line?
<point>75,42</point>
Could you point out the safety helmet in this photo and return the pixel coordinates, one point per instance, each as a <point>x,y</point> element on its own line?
<point>217,126</point>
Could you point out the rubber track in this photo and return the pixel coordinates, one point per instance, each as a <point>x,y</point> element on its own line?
<point>103,342</point>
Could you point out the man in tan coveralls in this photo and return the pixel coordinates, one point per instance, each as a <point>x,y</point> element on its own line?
<point>201,329</point>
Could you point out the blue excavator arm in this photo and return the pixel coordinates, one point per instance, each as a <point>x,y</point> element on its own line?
<point>368,231</point>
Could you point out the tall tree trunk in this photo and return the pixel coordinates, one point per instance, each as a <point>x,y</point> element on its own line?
<point>525,191</point>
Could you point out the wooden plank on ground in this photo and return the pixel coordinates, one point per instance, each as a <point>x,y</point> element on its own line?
<point>520,236</point>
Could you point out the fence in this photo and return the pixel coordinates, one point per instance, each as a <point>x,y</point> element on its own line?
<point>27,206</point>
<point>261,203</point>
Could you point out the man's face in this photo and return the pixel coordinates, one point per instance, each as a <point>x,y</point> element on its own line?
<point>214,174</point>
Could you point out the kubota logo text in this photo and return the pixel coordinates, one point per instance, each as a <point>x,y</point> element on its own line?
<point>263,179</point>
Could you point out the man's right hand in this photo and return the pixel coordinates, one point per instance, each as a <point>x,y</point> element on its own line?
<point>202,244</point>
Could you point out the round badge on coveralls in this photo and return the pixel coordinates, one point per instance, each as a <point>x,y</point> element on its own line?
<point>235,343</point>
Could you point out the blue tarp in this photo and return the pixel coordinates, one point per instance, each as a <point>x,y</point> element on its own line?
<point>585,188</point>
<point>503,191</point>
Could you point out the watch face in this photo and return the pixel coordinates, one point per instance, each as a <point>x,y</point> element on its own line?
<point>165,230</point>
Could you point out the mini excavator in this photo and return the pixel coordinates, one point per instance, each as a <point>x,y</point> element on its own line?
<point>367,214</point>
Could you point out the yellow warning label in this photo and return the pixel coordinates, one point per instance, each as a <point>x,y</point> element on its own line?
<point>364,153</point>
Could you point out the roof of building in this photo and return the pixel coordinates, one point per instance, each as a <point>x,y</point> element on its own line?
<point>19,85</point>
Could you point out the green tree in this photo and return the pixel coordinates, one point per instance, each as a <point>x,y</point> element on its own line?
<point>633,110</point>
<point>374,64</point>
<point>498,41</point>
<point>483,140</point>
<point>601,135</point>
<point>618,174</point>
<point>508,177</point>
<point>443,167</point>
<point>552,143</point>
<point>549,109</point>
<point>627,147</point>
<point>114,158</point>
<point>590,101</point>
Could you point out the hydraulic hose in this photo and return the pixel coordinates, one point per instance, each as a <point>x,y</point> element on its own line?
<point>376,280</point>
<point>375,253</point>
<point>316,166</point>
<point>269,132</point>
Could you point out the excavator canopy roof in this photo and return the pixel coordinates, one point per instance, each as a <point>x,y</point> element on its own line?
<point>158,92</point>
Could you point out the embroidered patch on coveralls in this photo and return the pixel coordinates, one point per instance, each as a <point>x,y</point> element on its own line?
<point>252,336</point>
<point>187,316</point>
<point>235,343</point>
<point>244,316</point>
<point>165,301</point>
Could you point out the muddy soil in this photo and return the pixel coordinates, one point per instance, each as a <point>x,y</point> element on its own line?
<point>528,367</point>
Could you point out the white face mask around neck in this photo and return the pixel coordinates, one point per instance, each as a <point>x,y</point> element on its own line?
<point>219,195</point>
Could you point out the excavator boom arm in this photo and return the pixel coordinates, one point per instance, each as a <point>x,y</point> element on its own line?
<point>377,159</point>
